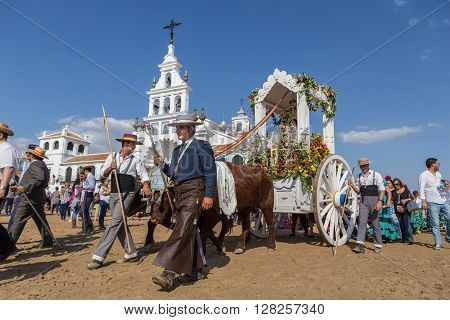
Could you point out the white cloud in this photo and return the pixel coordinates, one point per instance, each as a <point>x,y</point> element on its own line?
<point>363,127</point>
<point>400,3</point>
<point>96,132</point>
<point>66,120</point>
<point>446,22</point>
<point>434,125</point>
<point>21,144</point>
<point>413,21</point>
<point>377,135</point>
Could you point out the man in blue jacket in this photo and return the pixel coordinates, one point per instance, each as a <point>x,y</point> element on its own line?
<point>193,171</point>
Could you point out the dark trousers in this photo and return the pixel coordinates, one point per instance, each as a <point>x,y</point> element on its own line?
<point>63,210</point>
<point>405,226</point>
<point>23,214</point>
<point>87,225</point>
<point>101,216</point>
<point>55,206</point>
<point>6,244</point>
<point>13,213</point>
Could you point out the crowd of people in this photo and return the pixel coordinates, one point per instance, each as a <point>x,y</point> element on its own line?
<point>388,210</point>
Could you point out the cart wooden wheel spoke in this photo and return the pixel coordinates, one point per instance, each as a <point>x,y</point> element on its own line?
<point>334,202</point>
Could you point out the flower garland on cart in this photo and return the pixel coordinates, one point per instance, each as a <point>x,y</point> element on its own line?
<point>294,162</point>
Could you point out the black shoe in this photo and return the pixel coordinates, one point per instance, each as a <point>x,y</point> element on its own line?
<point>410,243</point>
<point>166,280</point>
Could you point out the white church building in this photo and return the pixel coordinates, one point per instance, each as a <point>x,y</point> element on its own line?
<point>169,96</point>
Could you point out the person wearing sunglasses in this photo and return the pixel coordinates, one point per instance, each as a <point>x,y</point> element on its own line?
<point>372,190</point>
<point>432,191</point>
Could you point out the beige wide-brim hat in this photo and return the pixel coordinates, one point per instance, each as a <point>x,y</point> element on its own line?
<point>38,152</point>
<point>5,129</point>
<point>364,161</point>
<point>184,120</point>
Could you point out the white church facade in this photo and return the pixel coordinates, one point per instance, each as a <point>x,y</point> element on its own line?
<point>169,96</point>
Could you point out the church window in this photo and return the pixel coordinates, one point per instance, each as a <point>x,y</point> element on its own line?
<point>177,103</point>
<point>69,174</point>
<point>56,145</point>
<point>237,160</point>
<point>46,146</point>
<point>166,105</point>
<point>70,146</point>
<point>168,80</point>
<point>93,171</point>
<point>156,107</point>
<point>239,127</point>
<point>81,149</point>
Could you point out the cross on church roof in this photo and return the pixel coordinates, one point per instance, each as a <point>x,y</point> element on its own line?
<point>172,25</point>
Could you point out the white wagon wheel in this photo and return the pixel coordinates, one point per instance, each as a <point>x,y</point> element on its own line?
<point>330,190</point>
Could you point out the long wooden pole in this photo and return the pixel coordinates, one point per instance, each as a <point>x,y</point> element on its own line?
<point>124,216</point>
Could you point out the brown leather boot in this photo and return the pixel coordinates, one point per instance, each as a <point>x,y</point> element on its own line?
<point>74,224</point>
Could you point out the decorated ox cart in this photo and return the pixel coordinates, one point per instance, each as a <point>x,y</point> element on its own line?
<point>308,175</point>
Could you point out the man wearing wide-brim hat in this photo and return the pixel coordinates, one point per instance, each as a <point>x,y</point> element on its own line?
<point>33,184</point>
<point>8,164</point>
<point>370,186</point>
<point>128,168</point>
<point>193,171</point>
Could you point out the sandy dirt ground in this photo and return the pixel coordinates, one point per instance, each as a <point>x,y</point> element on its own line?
<point>300,268</point>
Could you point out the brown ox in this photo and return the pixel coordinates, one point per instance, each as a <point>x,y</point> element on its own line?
<point>254,190</point>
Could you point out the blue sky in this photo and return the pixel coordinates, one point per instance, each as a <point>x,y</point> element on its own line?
<point>393,108</point>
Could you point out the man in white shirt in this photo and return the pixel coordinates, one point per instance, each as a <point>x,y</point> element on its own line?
<point>87,196</point>
<point>8,164</point>
<point>371,187</point>
<point>431,190</point>
<point>128,168</point>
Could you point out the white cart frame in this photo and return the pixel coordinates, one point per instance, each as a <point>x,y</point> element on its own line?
<point>332,201</point>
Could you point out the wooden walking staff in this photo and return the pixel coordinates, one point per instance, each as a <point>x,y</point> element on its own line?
<point>42,220</point>
<point>124,216</point>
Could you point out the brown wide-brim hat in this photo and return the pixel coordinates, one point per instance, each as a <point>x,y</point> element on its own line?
<point>38,152</point>
<point>184,120</point>
<point>88,166</point>
<point>5,129</point>
<point>130,138</point>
